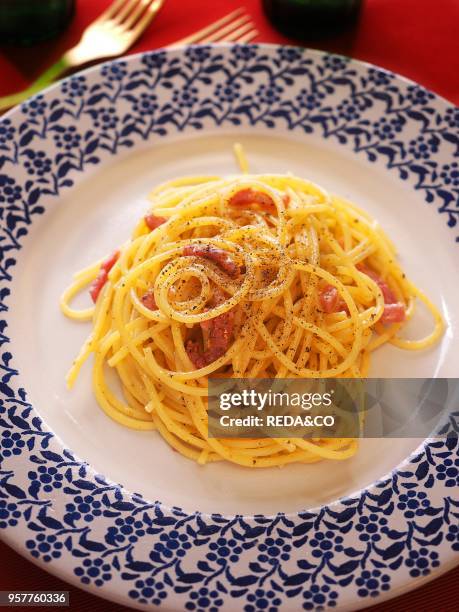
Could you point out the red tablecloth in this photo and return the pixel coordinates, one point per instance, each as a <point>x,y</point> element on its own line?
<point>417,38</point>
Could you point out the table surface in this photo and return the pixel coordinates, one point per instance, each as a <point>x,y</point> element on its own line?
<point>416,38</point>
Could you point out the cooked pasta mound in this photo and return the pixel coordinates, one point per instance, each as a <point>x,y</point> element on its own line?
<point>252,276</point>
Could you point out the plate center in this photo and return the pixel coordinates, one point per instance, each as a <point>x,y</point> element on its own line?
<point>97,215</point>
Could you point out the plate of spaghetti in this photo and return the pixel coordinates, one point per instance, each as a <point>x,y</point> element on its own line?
<point>247,212</point>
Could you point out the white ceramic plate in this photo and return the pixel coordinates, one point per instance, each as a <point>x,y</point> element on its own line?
<point>75,166</point>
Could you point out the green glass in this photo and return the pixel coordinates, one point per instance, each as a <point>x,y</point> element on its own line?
<point>25,22</point>
<point>312,19</point>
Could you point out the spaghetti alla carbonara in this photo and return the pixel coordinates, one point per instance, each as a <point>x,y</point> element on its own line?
<point>251,276</point>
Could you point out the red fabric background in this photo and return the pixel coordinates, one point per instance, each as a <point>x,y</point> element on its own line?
<point>417,38</point>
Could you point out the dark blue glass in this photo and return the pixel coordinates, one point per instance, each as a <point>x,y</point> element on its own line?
<point>312,19</point>
<point>25,22</point>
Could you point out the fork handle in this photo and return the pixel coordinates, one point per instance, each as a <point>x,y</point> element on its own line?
<point>45,79</point>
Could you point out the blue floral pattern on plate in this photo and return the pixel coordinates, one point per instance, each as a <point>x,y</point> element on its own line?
<point>62,512</point>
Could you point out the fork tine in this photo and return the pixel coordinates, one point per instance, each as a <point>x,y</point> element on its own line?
<point>226,29</point>
<point>229,33</point>
<point>145,20</point>
<point>197,36</point>
<point>245,38</point>
<point>128,8</point>
<point>110,11</point>
<point>136,13</point>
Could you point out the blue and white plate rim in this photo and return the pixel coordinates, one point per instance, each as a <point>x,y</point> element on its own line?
<point>39,521</point>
